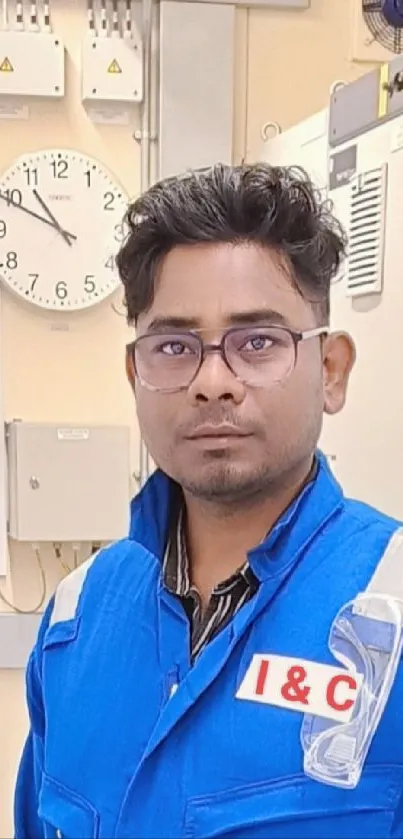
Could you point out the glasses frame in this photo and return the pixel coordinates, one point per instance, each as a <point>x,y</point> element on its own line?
<point>220,347</point>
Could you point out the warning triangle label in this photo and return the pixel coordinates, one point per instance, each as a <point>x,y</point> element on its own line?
<point>6,66</point>
<point>114,67</point>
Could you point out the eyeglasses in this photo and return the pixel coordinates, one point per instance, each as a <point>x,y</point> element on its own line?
<point>259,356</point>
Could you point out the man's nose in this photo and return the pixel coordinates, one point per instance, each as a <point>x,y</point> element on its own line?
<point>215,381</point>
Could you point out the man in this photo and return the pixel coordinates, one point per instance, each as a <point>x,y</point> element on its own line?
<point>180,678</point>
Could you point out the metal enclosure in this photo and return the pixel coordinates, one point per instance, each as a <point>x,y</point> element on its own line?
<point>303,145</point>
<point>31,64</point>
<point>196,103</point>
<point>68,483</point>
<point>365,175</point>
<point>20,633</point>
<point>112,69</point>
<point>367,434</point>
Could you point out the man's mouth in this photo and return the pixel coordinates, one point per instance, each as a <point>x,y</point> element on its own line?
<point>211,431</point>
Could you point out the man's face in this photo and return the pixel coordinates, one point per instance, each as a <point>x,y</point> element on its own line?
<point>211,287</point>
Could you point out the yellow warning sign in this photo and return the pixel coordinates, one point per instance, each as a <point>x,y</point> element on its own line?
<point>114,67</point>
<point>6,66</point>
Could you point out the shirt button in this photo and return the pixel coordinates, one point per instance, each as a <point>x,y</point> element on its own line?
<point>173,690</point>
<point>59,834</point>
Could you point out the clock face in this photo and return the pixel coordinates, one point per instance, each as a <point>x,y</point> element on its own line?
<point>61,225</point>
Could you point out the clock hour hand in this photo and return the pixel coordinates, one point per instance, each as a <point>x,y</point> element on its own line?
<point>66,236</point>
<point>33,214</point>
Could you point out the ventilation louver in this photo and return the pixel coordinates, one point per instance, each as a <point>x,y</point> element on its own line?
<point>366,232</point>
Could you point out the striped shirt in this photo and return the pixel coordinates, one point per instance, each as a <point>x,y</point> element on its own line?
<point>226,599</point>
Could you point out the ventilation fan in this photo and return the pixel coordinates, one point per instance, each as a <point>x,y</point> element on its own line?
<point>384,19</point>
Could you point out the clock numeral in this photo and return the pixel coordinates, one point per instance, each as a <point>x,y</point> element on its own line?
<point>11,260</point>
<point>35,278</point>
<point>13,196</point>
<point>88,176</point>
<point>120,232</point>
<point>109,201</point>
<point>110,263</point>
<point>61,290</point>
<point>3,229</point>
<point>60,168</point>
<point>89,285</point>
<point>32,176</point>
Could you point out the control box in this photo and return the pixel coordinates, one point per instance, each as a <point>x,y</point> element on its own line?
<point>31,64</point>
<point>112,70</point>
<point>68,483</point>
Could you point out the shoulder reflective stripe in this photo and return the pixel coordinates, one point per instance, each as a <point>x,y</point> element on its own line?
<point>68,592</point>
<point>388,576</point>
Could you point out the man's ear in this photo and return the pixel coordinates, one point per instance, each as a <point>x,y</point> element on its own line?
<point>130,368</point>
<point>338,360</point>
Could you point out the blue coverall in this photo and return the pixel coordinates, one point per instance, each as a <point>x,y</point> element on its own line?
<point>129,739</point>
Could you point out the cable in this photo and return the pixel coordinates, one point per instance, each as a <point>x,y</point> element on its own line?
<point>19,8</point>
<point>5,14</point>
<point>115,19</point>
<point>47,25</point>
<point>91,17</point>
<point>127,31</point>
<point>33,19</point>
<point>104,19</point>
<point>59,556</point>
<point>76,555</point>
<point>43,595</point>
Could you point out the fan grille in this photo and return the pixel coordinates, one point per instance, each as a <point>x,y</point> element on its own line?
<point>388,36</point>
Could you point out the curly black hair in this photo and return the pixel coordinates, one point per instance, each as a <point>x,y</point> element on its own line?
<point>271,206</point>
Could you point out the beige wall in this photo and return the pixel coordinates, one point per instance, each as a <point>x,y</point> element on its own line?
<point>285,65</point>
<point>72,376</point>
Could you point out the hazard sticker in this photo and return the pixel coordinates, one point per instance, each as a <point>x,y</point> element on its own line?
<point>300,685</point>
<point>114,67</point>
<point>6,66</point>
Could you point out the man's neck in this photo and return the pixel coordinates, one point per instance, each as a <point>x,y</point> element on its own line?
<point>219,536</point>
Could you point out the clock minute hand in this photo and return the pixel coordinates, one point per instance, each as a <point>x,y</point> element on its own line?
<point>32,213</point>
<point>56,224</point>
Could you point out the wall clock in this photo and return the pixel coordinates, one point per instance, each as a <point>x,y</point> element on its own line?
<point>61,225</point>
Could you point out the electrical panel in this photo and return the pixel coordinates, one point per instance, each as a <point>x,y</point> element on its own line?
<point>305,145</point>
<point>68,483</point>
<point>31,64</point>
<point>364,184</point>
<point>112,69</point>
<point>367,303</point>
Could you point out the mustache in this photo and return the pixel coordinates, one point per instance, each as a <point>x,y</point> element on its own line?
<point>212,416</point>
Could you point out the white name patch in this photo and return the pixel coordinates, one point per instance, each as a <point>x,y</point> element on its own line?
<point>300,685</point>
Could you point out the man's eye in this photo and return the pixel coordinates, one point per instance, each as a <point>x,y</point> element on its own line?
<point>174,348</point>
<point>258,343</point>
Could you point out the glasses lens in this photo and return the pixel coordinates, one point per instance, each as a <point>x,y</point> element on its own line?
<point>260,355</point>
<point>168,361</point>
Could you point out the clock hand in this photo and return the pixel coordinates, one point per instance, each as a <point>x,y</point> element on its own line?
<point>31,213</point>
<point>51,216</point>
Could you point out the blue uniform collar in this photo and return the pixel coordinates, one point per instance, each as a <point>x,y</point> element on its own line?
<point>318,501</point>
